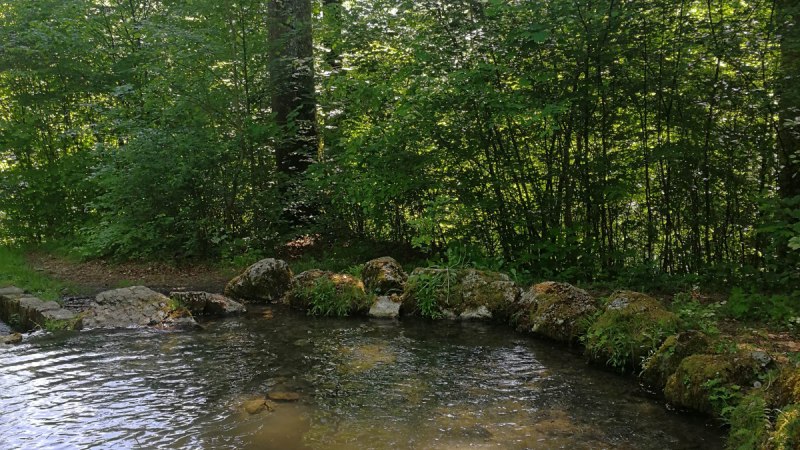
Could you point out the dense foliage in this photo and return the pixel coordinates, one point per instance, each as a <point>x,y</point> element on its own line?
<point>574,139</point>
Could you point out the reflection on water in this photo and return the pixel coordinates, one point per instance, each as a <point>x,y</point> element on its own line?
<point>361,385</point>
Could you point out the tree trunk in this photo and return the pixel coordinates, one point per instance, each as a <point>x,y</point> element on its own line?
<point>291,70</point>
<point>789,100</point>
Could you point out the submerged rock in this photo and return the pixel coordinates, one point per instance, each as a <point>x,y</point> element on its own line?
<point>558,311</point>
<point>632,326</point>
<point>257,405</point>
<point>460,293</point>
<point>206,304</point>
<point>384,276</point>
<point>325,293</point>
<point>386,307</point>
<point>264,282</point>
<point>10,339</point>
<point>280,396</point>
<point>665,361</point>
<point>135,307</point>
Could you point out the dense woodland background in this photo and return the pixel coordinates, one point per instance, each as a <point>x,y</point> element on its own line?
<point>582,140</point>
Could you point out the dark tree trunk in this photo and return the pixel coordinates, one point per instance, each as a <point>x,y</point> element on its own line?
<point>291,70</point>
<point>789,92</point>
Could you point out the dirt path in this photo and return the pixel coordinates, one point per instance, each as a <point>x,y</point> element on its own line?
<point>92,277</point>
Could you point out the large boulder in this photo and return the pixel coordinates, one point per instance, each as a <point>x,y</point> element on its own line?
<point>708,383</point>
<point>135,307</point>
<point>631,327</point>
<point>323,293</point>
<point>383,276</point>
<point>665,361</point>
<point>207,304</point>
<point>558,311</point>
<point>264,282</point>
<point>466,294</point>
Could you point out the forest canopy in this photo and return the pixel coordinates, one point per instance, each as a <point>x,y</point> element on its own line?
<point>577,139</point>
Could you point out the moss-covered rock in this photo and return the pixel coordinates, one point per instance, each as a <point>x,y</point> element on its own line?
<point>460,293</point>
<point>264,282</point>
<point>632,326</point>
<point>325,293</point>
<point>383,276</point>
<point>710,383</point>
<point>664,362</point>
<point>786,435</point>
<point>557,311</point>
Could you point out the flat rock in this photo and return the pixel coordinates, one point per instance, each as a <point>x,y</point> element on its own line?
<point>11,291</point>
<point>136,307</point>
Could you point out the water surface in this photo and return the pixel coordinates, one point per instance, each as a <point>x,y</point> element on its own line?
<point>363,385</point>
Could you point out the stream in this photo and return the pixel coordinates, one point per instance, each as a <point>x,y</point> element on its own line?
<point>362,385</point>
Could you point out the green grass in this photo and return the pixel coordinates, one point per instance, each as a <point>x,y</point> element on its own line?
<point>14,270</point>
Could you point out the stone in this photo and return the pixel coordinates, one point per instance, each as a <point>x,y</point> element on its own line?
<point>631,327</point>
<point>383,276</point>
<point>557,311</point>
<point>479,313</point>
<point>264,282</point>
<point>9,339</point>
<point>207,304</point>
<point>135,307</point>
<point>279,396</point>
<point>256,405</point>
<point>699,379</point>
<point>657,369</point>
<point>26,312</point>
<point>441,292</point>
<point>385,307</point>
<point>11,291</point>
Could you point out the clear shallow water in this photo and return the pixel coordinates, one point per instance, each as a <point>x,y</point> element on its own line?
<point>362,384</point>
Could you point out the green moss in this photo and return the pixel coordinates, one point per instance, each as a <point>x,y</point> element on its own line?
<point>327,294</point>
<point>788,386</point>
<point>632,327</point>
<point>749,423</point>
<point>61,325</point>
<point>787,429</point>
<point>706,383</point>
<point>657,369</point>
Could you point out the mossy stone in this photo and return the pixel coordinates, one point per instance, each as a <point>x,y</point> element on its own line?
<point>664,362</point>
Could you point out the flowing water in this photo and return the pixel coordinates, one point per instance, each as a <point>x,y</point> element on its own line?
<point>362,384</point>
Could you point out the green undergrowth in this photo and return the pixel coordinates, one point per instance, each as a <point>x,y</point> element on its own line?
<point>326,297</point>
<point>15,270</point>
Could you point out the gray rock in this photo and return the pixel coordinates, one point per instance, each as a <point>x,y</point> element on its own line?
<point>11,291</point>
<point>207,304</point>
<point>385,307</point>
<point>264,282</point>
<point>557,311</point>
<point>136,307</point>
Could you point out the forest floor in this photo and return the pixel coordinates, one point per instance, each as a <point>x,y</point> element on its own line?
<point>87,278</point>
